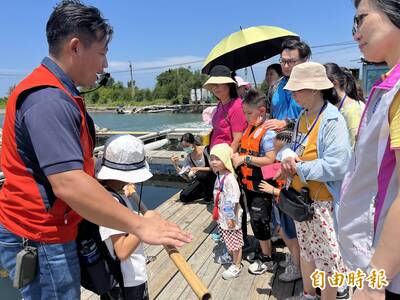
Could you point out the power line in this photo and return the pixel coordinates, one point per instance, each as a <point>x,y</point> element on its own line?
<point>160,67</point>
<point>335,44</point>
<point>338,44</point>
<point>334,50</point>
<point>345,43</point>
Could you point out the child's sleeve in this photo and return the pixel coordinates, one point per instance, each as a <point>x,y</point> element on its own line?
<point>232,190</point>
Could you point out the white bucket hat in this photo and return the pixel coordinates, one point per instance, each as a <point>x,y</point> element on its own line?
<point>124,160</point>
<point>308,75</point>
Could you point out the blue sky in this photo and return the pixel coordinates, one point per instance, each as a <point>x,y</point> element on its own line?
<point>160,33</point>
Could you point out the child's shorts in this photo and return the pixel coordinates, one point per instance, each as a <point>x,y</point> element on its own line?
<point>233,239</point>
<point>318,241</point>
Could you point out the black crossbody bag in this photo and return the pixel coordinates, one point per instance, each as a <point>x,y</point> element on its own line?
<point>296,205</point>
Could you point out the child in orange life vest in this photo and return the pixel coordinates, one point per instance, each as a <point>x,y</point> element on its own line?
<point>227,210</point>
<point>280,221</point>
<point>256,151</point>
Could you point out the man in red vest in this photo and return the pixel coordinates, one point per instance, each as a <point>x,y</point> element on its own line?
<point>47,160</point>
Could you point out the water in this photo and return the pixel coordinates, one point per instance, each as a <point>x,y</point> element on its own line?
<point>153,195</point>
<point>143,122</point>
<point>147,122</point>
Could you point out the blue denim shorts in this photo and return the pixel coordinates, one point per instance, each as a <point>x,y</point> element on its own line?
<point>58,271</point>
<point>281,219</point>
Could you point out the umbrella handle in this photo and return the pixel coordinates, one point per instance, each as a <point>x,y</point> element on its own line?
<point>180,262</point>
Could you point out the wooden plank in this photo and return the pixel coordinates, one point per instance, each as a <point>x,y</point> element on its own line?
<point>183,217</point>
<point>281,290</point>
<point>209,269</point>
<point>163,270</point>
<point>261,286</point>
<point>178,285</point>
<point>298,287</point>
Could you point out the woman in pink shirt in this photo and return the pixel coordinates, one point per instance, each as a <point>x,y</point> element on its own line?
<point>229,120</point>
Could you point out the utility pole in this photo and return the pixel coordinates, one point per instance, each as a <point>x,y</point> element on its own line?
<point>132,84</point>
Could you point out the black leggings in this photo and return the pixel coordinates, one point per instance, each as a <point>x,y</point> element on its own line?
<point>260,207</point>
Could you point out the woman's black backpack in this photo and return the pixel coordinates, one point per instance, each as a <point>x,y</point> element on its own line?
<point>100,272</point>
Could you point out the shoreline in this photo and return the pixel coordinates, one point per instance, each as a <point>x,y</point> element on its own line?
<point>182,108</point>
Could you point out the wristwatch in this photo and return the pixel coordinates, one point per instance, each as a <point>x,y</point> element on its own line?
<point>247,159</point>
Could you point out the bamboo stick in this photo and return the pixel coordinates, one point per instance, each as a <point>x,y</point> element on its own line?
<point>180,262</point>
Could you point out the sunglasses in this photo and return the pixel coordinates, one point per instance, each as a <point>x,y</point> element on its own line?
<point>358,20</point>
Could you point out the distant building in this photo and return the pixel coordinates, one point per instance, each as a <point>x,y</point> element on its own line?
<point>200,95</point>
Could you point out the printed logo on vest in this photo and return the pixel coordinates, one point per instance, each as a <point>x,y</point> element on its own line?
<point>257,133</point>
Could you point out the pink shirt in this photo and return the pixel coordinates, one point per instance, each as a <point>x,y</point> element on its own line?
<point>227,119</point>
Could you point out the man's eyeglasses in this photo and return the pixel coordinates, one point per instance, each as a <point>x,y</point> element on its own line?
<point>289,62</point>
<point>358,20</point>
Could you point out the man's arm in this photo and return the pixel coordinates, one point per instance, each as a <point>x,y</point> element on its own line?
<point>90,200</point>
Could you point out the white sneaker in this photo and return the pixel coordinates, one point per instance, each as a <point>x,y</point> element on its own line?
<point>260,267</point>
<point>288,261</point>
<point>224,259</point>
<point>291,273</point>
<point>232,272</point>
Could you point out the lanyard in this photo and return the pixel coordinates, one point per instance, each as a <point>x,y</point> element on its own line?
<point>341,102</point>
<point>295,147</point>
<point>221,182</point>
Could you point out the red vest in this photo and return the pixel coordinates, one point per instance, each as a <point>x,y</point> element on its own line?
<point>22,209</point>
<point>251,176</point>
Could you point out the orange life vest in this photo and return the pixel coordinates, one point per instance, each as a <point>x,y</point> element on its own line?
<point>22,208</point>
<point>251,176</point>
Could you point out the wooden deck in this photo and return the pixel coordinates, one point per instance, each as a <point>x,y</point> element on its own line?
<point>165,282</point>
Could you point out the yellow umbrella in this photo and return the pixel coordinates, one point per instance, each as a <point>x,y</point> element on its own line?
<point>247,47</point>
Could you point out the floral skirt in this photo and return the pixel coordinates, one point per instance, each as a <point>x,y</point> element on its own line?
<point>318,240</point>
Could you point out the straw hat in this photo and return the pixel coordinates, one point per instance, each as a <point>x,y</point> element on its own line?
<point>308,75</point>
<point>219,75</point>
<point>124,160</point>
<point>224,153</point>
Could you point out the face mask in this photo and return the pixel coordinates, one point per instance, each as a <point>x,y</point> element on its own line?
<point>188,150</point>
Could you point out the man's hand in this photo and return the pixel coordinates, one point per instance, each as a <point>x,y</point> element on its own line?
<point>194,170</point>
<point>237,160</point>
<point>152,214</point>
<point>275,124</point>
<point>231,224</point>
<point>155,231</point>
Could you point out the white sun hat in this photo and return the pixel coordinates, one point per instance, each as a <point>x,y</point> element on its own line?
<point>124,160</point>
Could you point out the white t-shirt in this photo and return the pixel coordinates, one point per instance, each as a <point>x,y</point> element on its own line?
<point>230,192</point>
<point>134,268</point>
